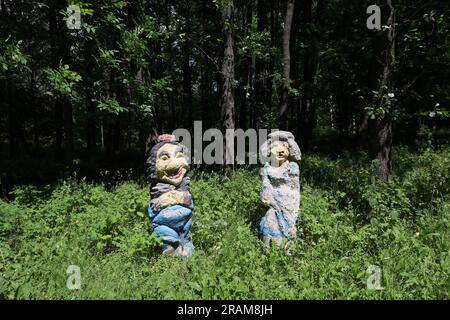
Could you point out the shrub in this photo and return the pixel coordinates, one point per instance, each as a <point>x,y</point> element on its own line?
<point>348,221</point>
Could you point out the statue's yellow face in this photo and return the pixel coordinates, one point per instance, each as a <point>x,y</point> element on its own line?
<point>279,153</point>
<point>171,164</point>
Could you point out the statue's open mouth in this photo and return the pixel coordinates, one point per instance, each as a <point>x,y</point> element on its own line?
<point>173,175</point>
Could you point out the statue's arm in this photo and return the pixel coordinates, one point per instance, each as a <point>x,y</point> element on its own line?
<point>171,198</point>
<point>267,189</point>
<point>294,169</point>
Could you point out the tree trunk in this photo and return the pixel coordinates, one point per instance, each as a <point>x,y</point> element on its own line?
<point>381,127</point>
<point>68,132</point>
<point>187,76</point>
<point>58,122</point>
<point>227,103</point>
<point>116,135</point>
<point>91,136</point>
<point>247,73</point>
<point>381,143</point>
<point>60,48</point>
<point>262,83</point>
<point>34,110</point>
<point>67,109</point>
<point>11,116</point>
<point>286,63</point>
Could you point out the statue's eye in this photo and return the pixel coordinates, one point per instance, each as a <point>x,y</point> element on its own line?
<point>164,157</point>
<point>180,154</point>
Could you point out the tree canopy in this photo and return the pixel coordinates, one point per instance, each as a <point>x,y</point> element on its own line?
<point>134,69</point>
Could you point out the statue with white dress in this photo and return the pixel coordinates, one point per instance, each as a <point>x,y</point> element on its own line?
<point>280,192</point>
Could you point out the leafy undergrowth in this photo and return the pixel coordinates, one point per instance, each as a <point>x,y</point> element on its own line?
<point>348,222</point>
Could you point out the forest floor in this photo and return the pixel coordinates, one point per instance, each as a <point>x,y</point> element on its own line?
<point>350,225</point>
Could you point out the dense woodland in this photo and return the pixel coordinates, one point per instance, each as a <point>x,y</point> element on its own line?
<point>139,68</point>
<point>80,108</point>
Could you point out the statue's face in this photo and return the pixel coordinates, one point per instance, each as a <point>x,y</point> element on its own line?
<point>279,153</point>
<point>171,164</point>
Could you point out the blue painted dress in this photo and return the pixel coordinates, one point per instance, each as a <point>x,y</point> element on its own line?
<point>173,223</point>
<point>281,187</point>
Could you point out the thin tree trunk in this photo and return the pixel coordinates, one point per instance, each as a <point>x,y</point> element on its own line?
<point>102,135</point>
<point>261,82</point>
<point>286,63</point>
<point>91,136</point>
<point>173,111</point>
<point>382,144</point>
<point>34,110</point>
<point>187,76</point>
<point>247,73</point>
<point>381,127</point>
<point>60,48</point>
<point>67,108</point>
<point>227,103</point>
<point>117,135</point>
<point>12,132</point>
<point>68,132</point>
<point>58,115</point>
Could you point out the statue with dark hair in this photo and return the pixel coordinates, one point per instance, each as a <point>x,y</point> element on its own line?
<point>171,205</point>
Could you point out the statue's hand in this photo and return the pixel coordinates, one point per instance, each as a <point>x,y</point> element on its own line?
<point>170,198</point>
<point>265,201</point>
<point>155,205</point>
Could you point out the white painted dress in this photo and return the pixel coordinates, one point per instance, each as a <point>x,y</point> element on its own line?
<point>281,187</point>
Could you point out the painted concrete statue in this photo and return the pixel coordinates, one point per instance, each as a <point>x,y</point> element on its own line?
<point>171,205</point>
<point>280,192</point>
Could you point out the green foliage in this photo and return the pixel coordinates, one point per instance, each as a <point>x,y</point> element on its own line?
<point>341,232</point>
<point>109,105</point>
<point>256,43</point>
<point>12,57</point>
<point>62,81</point>
<point>428,181</point>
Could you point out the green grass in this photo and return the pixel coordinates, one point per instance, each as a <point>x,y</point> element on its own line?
<point>348,221</point>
